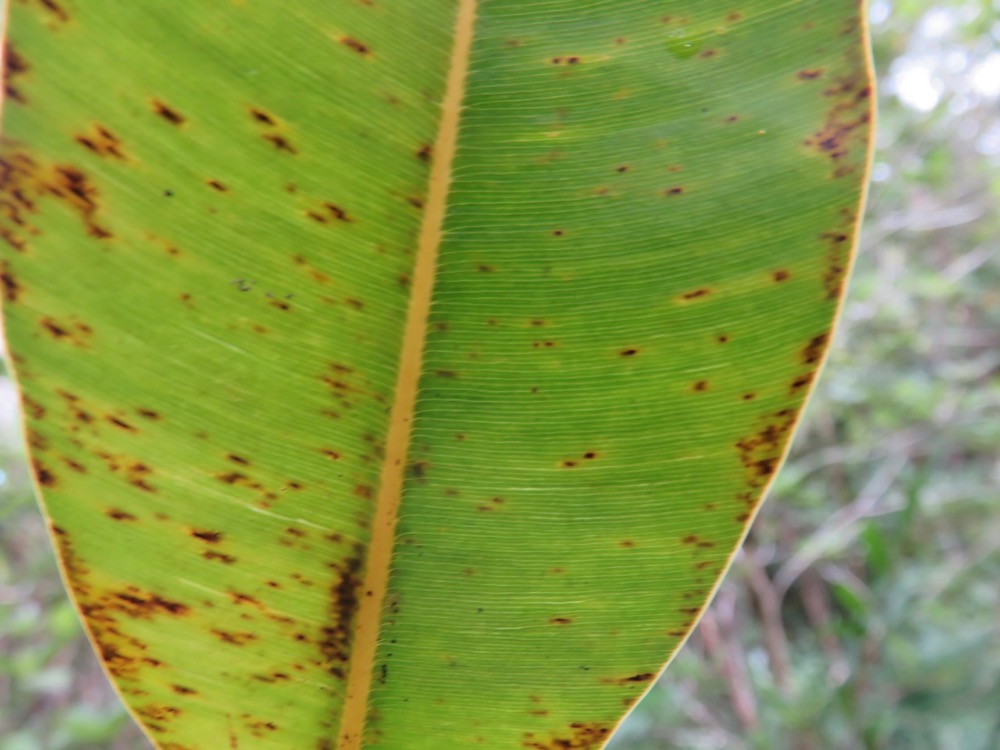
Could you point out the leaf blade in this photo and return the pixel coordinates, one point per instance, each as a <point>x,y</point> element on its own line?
<point>539,415</point>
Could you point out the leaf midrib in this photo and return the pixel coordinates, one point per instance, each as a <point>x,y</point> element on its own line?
<point>379,556</point>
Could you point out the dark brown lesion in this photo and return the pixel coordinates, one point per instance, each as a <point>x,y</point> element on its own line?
<point>15,70</point>
<point>104,610</point>
<point>73,332</point>
<point>120,423</point>
<point>32,408</point>
<point>75,188</point>
<point>208,536</point>
<point>11,287</point>
<point>328,212</point>
<point>696,293</point>
<point>101,141</point>
<point>264,118</point>
<point>639,678</point>
<point>117,514</point>
<point>336,637</point>
<point>810,74</point>
<point>280,142</point>
<point>838,251</point>
<point>813,351</point>
<point>46,478</point>
<point>358,46</point>
<point>164,111</point>
<point>221,557</point>
<point>760,452</point>
<point>144,605</point>
<point>234,638</point>
<point>845,124</point>
<point>578,735</point>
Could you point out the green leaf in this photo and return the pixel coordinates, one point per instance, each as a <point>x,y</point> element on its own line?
<point>405,374</point>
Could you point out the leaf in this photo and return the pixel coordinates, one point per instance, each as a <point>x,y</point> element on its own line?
<point>590,252</point>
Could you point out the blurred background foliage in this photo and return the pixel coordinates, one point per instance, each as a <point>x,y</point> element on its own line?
<point>864,611</point>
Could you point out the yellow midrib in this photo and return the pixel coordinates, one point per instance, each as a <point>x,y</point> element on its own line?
<point>373,589</point>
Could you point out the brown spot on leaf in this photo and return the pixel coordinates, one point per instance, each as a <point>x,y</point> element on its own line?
<point>234,638</point>
<point>280,142</point>
<point>119,515</point>
<point>218,557</point>
<point>102,142</point>
<point>813,351</point>
<point>74,187</point>
<point>759,452</point>
<point>843,132</point>
<point>74,465</point>
<point>360,47</point>
<point>45,477</point>
<point>12,288</point>
<point>578,736</point>
<point>330,211</point>
<point>263,118</point>
<point>121,424</point>
<point>31,407</point>
<point>168,113</point>
<point>694,294</point>
<point>838,250</point>
<point>15,68</point>
<point>56,330</point>
<point>631,679</point>
<point>560,621</point>
<point>53,8</point>
<point>211,537</point>
<point>136,474</point>
<point>335,643</point>
<point>145,605</point>
<point>801,381</point>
